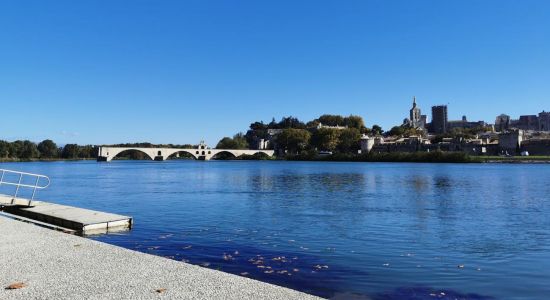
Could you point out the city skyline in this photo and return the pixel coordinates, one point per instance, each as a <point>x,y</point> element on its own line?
<point>172,72</point>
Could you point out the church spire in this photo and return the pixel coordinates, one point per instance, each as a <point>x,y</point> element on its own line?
<point>414,101</point>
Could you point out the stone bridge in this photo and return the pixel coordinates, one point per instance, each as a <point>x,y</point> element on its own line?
<point>202,152</point>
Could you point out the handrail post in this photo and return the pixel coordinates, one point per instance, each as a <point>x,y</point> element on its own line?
<point>34,190</point>
<point>17,189</point>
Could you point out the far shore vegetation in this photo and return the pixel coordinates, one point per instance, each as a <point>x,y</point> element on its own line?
<point>327,138</point>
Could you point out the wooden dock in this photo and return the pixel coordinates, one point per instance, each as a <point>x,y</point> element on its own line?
<point>83,221</point>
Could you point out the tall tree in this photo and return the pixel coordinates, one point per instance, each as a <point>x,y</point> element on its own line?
<point>377,130</point>
<point>326,139</point>
<point>48,149</point>
<point>28,150</point>
<point>332,120</point>
<point>354,122</point>
<point>237,142</point>
<point>70,151</point>
<point>349,140</point>
<point>4,149</point>
<point>293,140</point>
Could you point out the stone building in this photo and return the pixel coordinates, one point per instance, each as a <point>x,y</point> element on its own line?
<point>416,119</point>
<point>439,119</point>
<point>510,141</point>
<point>464,123</point>
<point>544,121</point>
<point>502,122</point>
<point>528,122</point>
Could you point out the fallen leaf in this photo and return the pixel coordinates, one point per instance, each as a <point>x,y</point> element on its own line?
<point>16,286</point>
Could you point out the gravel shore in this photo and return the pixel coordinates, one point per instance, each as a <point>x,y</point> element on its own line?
<point>54,265</point>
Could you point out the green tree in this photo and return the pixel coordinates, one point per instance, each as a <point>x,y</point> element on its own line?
<point>349,140</point>
<point>291,122</point>
<point>237,142</point>
<point>332,120</point>
<point>354,122</point>
<point>15,149</point>
<point>87,151</point>
<point>4,149</point>
<point>326,139</point>
<point>293,140</point>
<point>377,130</point>
<point>28,150</point>
<point>70,151</point>
<point>48,149</point>
<point>396,131</point>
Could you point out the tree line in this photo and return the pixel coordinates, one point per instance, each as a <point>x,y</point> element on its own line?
<point>333,133</point>
<point>47,149</point>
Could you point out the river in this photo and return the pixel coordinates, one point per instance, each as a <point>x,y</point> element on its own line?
<point>341,230</point>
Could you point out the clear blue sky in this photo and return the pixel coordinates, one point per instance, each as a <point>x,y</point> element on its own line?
<point>181,71</point>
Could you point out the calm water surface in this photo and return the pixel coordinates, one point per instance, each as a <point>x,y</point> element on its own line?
<point>342,230</point>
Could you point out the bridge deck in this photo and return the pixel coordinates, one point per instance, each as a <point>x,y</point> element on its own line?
<point>84,221</point>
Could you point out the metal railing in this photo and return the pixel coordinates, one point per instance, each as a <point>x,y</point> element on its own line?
<point>38,183</point>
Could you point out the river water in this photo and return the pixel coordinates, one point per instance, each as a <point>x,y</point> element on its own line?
<point>340,230</point>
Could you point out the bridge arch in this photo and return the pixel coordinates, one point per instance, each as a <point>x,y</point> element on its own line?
<point>112,154</point>
<point>223,153</point>
<point>170,153</point>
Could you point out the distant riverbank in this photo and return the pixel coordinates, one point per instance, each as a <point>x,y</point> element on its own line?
<point>420,157</point>
<point>426,157</point>
<point>5,160</point>
<point>417,157</point>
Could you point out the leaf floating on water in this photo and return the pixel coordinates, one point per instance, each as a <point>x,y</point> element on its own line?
<point>320,267</point>
<point>16,286</point>
<point>460,266</point>
<point>160,291</point>
<point>279,258</point>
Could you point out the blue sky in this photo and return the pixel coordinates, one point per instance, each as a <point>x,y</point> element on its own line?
<point>181,71</point>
